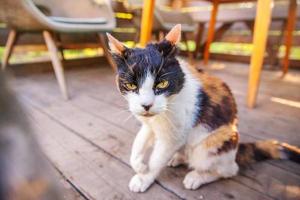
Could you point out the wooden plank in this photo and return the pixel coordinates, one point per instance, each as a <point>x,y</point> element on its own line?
<point>68,191</point>
<point>147,22</point>
<point>291,21</point>
<point>271,180</point>
<point>97,174</point>
<point>11,40</point>
<point>262,21</point>
<point>211,30</point>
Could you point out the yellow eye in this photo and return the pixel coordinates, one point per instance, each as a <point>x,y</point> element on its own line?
<point>163,84</point>
<point>130,86</point>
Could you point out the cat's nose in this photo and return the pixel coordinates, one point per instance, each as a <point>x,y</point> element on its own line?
<point>147,107</point>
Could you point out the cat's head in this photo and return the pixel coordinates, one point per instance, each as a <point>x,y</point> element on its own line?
<point>148,77</point>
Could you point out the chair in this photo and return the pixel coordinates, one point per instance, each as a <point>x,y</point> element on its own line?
<point>51,17</point>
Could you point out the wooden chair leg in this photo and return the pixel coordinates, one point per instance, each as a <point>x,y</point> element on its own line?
<point>211,31</point>
<point>198,38</point>
<point>291,22</point>
<point>11,40</point>
<point>147,22</point>
<point>261,27</point>
<point>60,46</point>
<point>56,62</point>
<point>106,52</point>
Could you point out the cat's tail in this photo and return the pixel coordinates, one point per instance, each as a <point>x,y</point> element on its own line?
<point>264,150</point>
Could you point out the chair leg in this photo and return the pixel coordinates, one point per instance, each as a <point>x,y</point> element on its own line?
<point>60,46</point>
<point>11,40</point>
<point>57,65</point>
<point>106,52</point>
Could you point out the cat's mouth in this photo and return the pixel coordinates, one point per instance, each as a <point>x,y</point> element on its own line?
<point>147,114</point>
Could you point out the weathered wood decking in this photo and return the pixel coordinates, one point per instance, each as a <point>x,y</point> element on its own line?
<point>89,137</point>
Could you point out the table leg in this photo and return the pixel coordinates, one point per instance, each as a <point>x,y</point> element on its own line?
<point>261,27</point>
<point>211,30</point>
<point>147,21</point>
<point>291,21</point>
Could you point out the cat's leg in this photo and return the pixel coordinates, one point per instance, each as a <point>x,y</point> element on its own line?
<point>209,166</point>
<point>194,179</point>
<point>142,142</point>
<point>161,154</point>
<point>178,158</point>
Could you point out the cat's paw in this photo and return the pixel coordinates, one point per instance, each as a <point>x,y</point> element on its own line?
<point>138,166</point>
<point>176,160</point>
<point>140,183</point>
<point>192,181</point>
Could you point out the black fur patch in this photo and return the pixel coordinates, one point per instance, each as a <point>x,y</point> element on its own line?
<point>215,114</point>
<point>158,59</point>
<point>229,144</point>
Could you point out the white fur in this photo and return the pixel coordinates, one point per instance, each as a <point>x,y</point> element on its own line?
<point>169,130</point>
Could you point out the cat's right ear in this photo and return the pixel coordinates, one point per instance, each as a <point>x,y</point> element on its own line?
<point>116,47</point>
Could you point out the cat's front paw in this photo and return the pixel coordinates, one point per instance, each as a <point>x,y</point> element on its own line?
<point>140,183</point>
<point>192,181</point>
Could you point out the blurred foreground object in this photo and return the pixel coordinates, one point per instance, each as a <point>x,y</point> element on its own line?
<point>52,17</point>
<point>24,172</point>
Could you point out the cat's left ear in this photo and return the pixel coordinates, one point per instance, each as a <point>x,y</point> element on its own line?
<point>174,35</point>
<point>115,45</point>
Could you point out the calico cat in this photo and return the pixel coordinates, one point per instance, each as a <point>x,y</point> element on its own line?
<point>188,117</point>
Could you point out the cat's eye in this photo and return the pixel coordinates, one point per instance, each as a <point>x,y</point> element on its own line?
<point>163,84</point>
<point>130,86</point>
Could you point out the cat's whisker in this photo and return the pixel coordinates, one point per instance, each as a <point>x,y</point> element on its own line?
<point>131,115</point>
<point>171,111</point>
<point>172,104</point>
<point>167,73</point>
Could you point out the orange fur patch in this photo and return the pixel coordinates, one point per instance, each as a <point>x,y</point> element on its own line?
<point>219,136</point>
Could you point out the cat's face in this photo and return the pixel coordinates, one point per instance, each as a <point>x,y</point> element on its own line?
<point>148,77</point>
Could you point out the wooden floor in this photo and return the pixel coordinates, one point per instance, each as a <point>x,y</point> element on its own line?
<point>88,138</point>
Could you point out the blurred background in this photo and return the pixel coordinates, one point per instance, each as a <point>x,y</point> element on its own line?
<point>233,40</point>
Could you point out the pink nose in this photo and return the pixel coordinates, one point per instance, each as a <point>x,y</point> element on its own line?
<point>147,107</point>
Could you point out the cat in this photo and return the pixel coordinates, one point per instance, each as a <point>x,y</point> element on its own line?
<point>187,117</point>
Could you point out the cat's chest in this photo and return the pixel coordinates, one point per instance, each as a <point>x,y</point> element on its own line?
<point>171,124</point>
